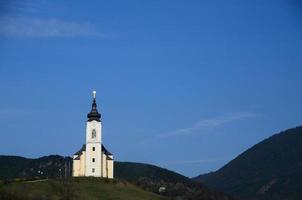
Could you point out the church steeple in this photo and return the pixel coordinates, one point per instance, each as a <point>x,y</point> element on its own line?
<point>94,114</point>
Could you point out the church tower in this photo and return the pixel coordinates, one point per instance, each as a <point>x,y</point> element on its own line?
<point>93,141</point>
<point>93,159</point>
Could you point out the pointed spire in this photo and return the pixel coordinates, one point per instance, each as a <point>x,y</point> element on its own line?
<point>94,114</point>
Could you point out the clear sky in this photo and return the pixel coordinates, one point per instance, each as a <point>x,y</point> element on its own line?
<point>186,85</point>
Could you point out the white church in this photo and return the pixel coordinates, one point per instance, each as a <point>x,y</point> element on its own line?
<point>93,159</point>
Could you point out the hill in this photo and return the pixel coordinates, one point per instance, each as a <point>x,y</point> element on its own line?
<point>47,166</point>
<point>272,169</point>
<point>147,177</point>
<point>150,177</point>
<point>10,166</point>
<point>75,189</point>
<point>133,171</point>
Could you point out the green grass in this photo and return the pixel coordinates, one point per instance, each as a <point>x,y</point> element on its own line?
<point>75,189</point>
<point>145,176</point>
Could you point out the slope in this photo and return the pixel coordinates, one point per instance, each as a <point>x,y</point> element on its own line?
<point>147,177</point>
<point>272,169</point>
<point>75,189</point>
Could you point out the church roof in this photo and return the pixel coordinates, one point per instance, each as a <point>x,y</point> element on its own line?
<point>81,150</point>
<point>94,114</point>
<point>108,158</point>
<point>106,152</point>
<point>77,158</point>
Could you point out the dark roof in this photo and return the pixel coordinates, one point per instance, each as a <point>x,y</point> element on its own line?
<point>81,150</point>
<point>106,152</point>
<point>94,114</point>
<point>108,158</point>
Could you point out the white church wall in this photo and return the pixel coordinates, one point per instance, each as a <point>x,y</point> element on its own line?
<point>76,168</point>
<point>93,149</point>
<point>110,164</point>
<point>79,165</point>
<point>82,164</point>
<point>104,165</point>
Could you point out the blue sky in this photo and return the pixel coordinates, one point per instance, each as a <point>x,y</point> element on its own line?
<point>186,85</point>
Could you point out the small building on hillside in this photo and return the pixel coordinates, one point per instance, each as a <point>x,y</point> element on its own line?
<point>93,159</point>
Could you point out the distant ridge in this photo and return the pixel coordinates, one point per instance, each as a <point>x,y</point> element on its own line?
<point>47,166</point>
<point>133,171</point>
<point>271,169</point>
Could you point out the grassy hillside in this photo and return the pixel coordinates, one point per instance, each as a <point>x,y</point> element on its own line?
<point>150,178</point>
<point>75,189</point>
<point>147,177</point>
<point>271,169</point>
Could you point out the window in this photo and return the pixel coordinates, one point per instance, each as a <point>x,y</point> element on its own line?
<point>93,159</point>
<point>93,148</point>
<point>93,170</point>
<point>93,134</point>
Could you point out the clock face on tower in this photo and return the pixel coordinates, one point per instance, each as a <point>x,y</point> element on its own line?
<point>93,133</point>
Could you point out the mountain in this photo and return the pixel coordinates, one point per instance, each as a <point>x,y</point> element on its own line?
<point>10,166</point>
<point>148,177</point>
<point>271,170</point>
<point>47,166</point>
<point>75,189</point>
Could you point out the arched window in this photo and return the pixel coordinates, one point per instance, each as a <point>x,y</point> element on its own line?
<point>93,133</point>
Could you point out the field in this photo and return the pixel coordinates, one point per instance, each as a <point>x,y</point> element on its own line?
<point>74,189</point>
